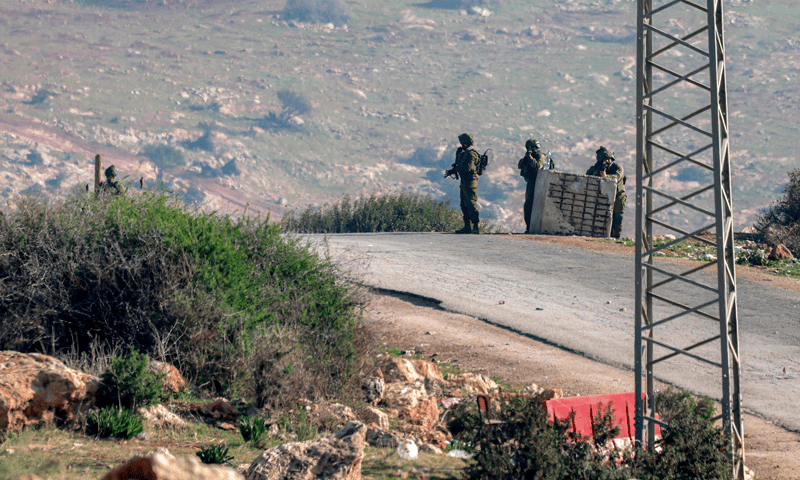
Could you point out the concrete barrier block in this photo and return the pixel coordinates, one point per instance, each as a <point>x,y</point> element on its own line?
<point>570,204</point>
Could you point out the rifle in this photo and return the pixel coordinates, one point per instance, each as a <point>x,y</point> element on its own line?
<point>451,173</point>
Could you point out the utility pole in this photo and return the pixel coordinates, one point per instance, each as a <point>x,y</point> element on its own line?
<point>98,168</point>
<point>682,125</point>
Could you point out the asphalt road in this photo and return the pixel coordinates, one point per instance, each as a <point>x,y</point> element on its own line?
<point>582,301</point>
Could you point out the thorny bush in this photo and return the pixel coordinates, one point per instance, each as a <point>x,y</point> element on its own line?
<point>200,290</point>
<point>781,221</point>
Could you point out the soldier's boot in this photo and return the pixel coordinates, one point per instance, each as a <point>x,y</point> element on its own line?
<point>467,228</point>
<point>616,225</point>
<point>475,225</point>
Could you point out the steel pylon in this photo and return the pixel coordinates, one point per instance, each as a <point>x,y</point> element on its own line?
<point>682,134</point>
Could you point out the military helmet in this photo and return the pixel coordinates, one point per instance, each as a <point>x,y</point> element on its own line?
<point>603,153</point>
<point>111,171</point>
<point>532,144</point>
<point>466,139</point>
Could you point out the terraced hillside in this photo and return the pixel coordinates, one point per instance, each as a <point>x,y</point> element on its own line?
<point>386,94</point>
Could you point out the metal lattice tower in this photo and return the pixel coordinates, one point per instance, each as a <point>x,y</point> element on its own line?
<point>682,131</point>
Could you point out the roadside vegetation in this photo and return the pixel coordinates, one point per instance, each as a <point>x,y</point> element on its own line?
<point>781,221</point>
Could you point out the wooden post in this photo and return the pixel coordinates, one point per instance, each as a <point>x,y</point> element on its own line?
<point>98,165</point>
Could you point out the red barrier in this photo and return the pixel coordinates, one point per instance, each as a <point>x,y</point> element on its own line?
<point>586,408</point>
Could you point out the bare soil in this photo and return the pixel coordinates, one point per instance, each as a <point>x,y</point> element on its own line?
<point>411,323</point>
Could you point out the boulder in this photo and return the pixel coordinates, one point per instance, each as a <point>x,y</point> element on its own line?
<point>219,408</point>
<point>36,388</point>
<point>779,252</point>
<point>405,395</point>
<point>173,381</point>
<point>425,414</point>
<point>159,416</point>
<point>406,370</point>
<point>380,438</point>
<point>329,458</point>
<point>161,465</point>
<point>373,416</point>
<point>473,382</point>
<point>373,389</point>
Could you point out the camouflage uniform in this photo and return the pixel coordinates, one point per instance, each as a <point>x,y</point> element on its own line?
<point>467,160</point>
<point>614,171</point>
<point>529,167</point>
<point>112,185</point>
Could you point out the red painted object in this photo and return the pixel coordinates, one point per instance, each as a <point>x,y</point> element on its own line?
<point>586,408</point>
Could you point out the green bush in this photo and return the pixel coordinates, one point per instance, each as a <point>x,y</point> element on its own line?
<point>253,429</point>
<point>781,221</point>
<point>215,454</point>
<point>115,422</point>
<point>209,293</point>
<point>165,156</point>
<point>130,381</point>
<point>393,212</point>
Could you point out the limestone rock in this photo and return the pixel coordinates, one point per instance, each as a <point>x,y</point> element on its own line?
<point>373,416</point>
<point>173,382</point>
<point>380,438</point>
<point>405,395</point>
<point>425,414</point>
<point>405,370</point>
<point>779,252</point>
<point>159,416</point>
<point>36,388</point>
<point>161,465</point>
<point>473,382</point>
<point>219,408</point>
<point>373,388</point>
<point>330,458</point>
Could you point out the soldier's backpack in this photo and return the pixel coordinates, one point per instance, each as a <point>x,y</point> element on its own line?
<point>486,158</point>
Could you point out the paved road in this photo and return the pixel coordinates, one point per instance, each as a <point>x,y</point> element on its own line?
<point>583,301</point>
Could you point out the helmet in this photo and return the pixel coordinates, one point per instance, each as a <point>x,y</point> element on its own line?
<point>111,171</point>
<point>466,139</point>
<point>603,153</point>
<point>532,144</point>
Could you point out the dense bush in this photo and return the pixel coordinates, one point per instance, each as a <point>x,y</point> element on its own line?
<point>528,444</point>
<point>394,212</point>
<point>129,382</point>
<point>163,155</point>
<point>781,221</point>
<point>115,422</point>
<point>317,11</point>
<point>293,104</point>
<point>211,294</point>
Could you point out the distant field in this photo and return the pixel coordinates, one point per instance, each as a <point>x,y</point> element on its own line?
<point>401,75</point>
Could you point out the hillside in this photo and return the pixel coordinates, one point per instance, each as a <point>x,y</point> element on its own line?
<point>399,77</point>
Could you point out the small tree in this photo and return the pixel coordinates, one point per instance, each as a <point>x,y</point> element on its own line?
<point>781,221</point>
<point>293,105</point>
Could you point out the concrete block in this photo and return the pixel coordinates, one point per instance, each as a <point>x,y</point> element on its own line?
<point>570,204</point>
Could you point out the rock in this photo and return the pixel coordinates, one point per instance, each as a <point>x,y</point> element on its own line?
<point>779,252</point>
<point>161,465</point>
<point>405,395</point>
<point>408,450</point>
<point>414,473</point>
<point>428,448</point>
<point>36,388</point>
<point>337,412</point>
<point>406,370</point>
<point>219,408</point>
<point>28,477</point>
<point>380,438</point>
<point>173,382</point>
<point>159,416</point>
<point>749,230</point>
<point>330,458</point>
<point>226,426</point>
<point>373,416</point>
<point>473,382</point>
<point>435,437</point>
<point>426,414</point>
<point>374,388</point>
<point>473,36</point>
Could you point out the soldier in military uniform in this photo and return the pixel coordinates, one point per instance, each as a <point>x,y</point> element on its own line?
<point>112,185</point>
<point>529,166</point>
<point>465,168</point>
<point>607,167</point>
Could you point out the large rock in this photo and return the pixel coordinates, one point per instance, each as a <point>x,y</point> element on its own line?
<point>36,388</point>
<point>405,395</point>
<point>173,381</point>
<point>405,370</point>
<point>473,382</point>
<point>425,414</point>
<point>159,416</point>
<point>161,465</point>
<point>330,458</point>
<point>383,439</point>
<point>373,416</point>
<point>779,252</point>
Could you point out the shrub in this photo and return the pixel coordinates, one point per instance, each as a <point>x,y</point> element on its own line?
<point>216,454</point>
<point>781,221</point>
<point>200,290</point>
<point>165,156</point>
<point>317,11</point>
<point>115,422</point>
<point>293,104</point>
<point>425,157</point>
<point>130,380</point>
<point>253,429</point>
<point>393,212</point>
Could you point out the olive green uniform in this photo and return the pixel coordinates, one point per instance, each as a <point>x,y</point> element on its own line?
<point>615,172</point>
<point>466,164</point>
<point>529,167</point>
<point>113,187</point>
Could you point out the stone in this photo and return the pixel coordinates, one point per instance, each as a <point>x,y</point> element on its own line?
<point>226,426</point>
<point>37,389</point>
<point>373,416</point>
<point>425,414</point>
<point>28,477</point>
<point>779,252</point>
<point>382,439</point>
<point>161,465</point>
<point>159,416</point>
<point>428,448</point>
<point>405,395</point>
<point>173,382</point>
<point>407,370</point>
<point>219,408</point>
<point>336,457</point>
<point>374,388</point>
<point>408,450</point>
<point>472,382</point>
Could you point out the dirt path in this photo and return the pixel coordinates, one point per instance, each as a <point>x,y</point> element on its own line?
<point>410,323</point>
